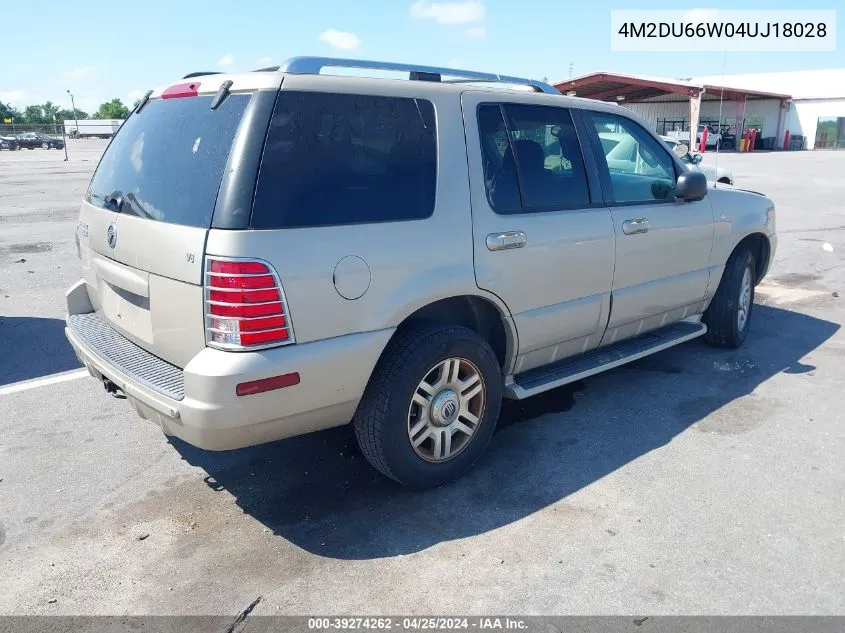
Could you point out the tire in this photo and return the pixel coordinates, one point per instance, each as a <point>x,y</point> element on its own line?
<point>390,414</point>
<point>725,325</point>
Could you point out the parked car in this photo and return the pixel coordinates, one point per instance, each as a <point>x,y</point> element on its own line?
<point>8,142</point>
<point>31,140</point>
<point>693,160</point>
<point>714,138</point>
<point>330,251</point>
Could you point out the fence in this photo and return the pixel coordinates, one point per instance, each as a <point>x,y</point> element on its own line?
<point>87,128</point>
<point>13,129</point>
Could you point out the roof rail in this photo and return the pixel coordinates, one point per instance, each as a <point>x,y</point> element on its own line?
<point>313,66</point>
<point>200,74</point>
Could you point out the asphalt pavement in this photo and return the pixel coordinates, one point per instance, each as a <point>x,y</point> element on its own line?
<point>694,481</point>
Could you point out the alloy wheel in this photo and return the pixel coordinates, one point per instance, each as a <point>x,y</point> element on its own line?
<point>446,409</point>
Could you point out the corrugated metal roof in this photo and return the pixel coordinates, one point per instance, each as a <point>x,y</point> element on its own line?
<point>609,86</point>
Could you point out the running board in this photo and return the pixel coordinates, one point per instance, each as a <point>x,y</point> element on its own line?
<point>569,370</point>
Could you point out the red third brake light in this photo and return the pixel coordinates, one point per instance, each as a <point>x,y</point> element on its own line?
<point>177,91</point>
<point>244,305</point>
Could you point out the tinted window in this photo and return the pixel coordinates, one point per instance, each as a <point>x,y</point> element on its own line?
<point>639,168</point>
<point>345,159</point>
<point>533,162</point>
<point>500,177</point>
<point>167,161</point>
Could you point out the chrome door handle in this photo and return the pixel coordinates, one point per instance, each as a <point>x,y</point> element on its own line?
<point>632,227</point>
<point>506,240</point>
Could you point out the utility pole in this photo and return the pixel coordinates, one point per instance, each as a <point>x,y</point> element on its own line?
<point>76,118</point>
<point>64,140</point>
<point>571,67</point>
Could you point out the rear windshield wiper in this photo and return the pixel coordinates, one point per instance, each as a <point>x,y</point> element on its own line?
<point>127,203</point>
<point>114,201</point>
<point>133,206</point>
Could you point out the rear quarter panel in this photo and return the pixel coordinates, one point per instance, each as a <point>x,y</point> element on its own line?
<point>410,263</point>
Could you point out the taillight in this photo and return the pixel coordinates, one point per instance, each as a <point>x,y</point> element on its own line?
<point>244,305</point>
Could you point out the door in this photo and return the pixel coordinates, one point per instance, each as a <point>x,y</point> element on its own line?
<point>542,239</point>
<point>663,245</point>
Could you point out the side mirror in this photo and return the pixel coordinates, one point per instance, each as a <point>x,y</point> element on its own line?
<point>696,158</point>
<point>680,150</point>
<point>691,186</point>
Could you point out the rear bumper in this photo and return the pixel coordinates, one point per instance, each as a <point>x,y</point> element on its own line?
<point>333,376</point>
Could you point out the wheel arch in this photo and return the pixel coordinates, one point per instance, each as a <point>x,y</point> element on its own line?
<point>481,314</point>
<point>761,248</point>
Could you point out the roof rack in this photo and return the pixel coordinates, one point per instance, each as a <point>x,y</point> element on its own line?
<point>313,66</point>
<point>200,74</point>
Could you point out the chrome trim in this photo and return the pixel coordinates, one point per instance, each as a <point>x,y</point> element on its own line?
<point>273,329</point>
<point>234,318</point>
<point>634,227</point>
<point>506,240</point>
<point>206,301</point>
<point>313,66</point>
<point>212,274</point>
<point>240,289</point>
<point>256,303</point>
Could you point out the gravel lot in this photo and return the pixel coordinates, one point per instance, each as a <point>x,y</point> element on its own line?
<point>695,481</point>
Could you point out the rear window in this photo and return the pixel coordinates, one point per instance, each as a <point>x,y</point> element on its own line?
<point>336,159</point>
<point>166,162</point>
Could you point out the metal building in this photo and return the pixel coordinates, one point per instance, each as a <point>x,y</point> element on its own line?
<point>809,105</point>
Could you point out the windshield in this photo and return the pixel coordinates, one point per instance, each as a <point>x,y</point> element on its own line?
<point>166,162</point>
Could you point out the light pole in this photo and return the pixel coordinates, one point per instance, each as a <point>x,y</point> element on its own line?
<point>64,140</point>
<point>73,105</point>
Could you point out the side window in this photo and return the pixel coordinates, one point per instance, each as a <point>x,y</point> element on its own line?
<point>532,161</point>
<point>500,177</point>
<point>639,169</point>
<point>333,159</point>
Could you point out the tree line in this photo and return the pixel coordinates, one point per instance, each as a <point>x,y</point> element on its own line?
<point>50,113</point>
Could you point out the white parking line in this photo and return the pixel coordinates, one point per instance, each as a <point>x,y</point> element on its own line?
<point>25,385</point>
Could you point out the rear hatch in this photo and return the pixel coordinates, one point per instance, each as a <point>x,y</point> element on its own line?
<point>147,213</point>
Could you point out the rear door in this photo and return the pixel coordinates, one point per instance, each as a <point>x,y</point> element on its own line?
<point>146,214</point>
<point>663,245</point>
<point>543,241</point>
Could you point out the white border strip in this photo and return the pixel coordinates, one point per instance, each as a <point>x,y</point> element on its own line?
<point>720,30</point>
<point>26,385</point>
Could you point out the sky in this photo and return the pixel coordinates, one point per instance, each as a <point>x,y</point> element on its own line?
<point>101,50</point>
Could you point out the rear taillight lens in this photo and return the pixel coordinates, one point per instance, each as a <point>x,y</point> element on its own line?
<point>244,305</point>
